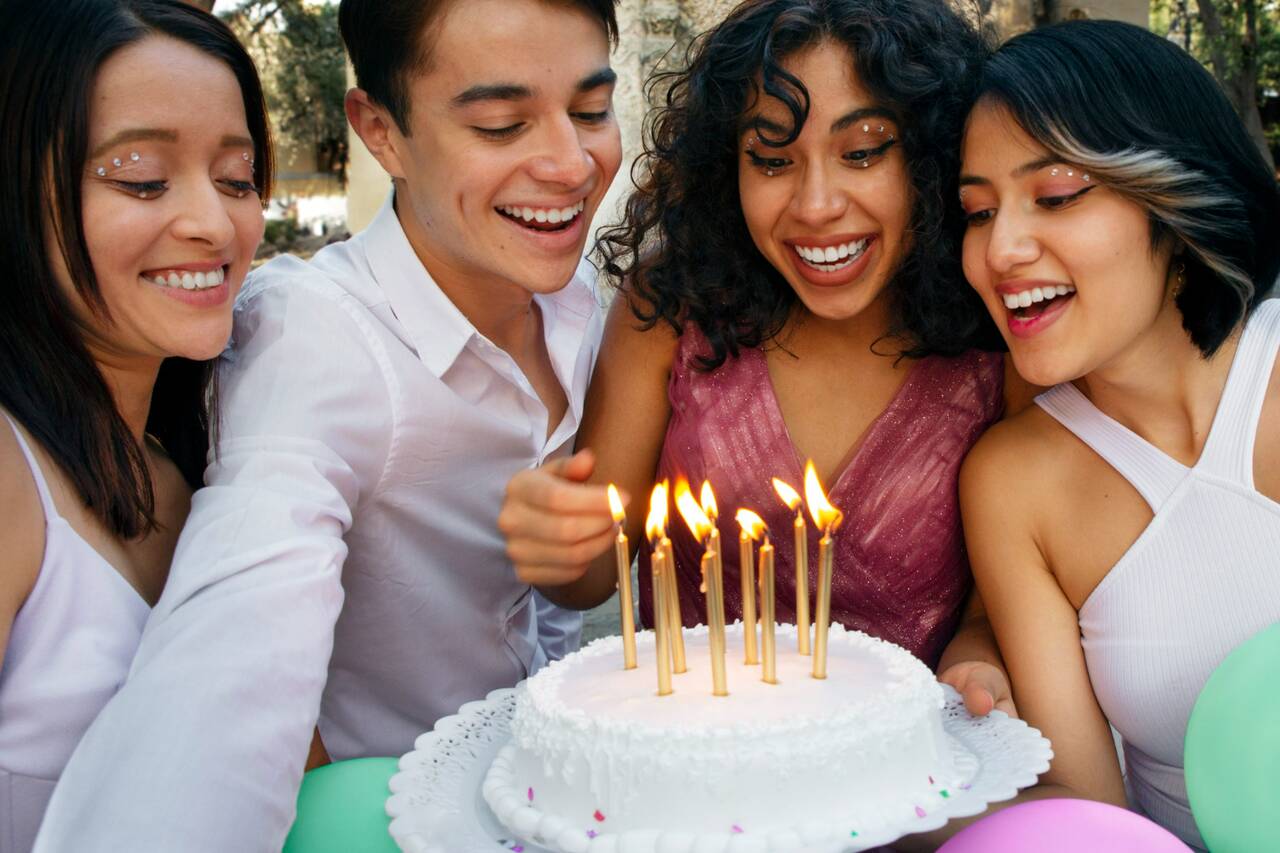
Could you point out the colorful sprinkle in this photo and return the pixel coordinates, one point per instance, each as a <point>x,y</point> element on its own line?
<point>853,833</point>
<point>965,786</point>
<point>591,833</point>
<point>531,795</point>
<point>930,780</point>
<point>920,812</point>
<point>518,848</point>
<point>599,817</point>
<point>945,795</point>
<point>737,830</point>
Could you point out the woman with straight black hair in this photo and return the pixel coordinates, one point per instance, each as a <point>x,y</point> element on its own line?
<point>790,290</point>
<point>1124,533</point>
<point>134,157</point>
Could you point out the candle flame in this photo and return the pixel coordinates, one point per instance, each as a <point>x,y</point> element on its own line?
<point>708,501</point>
<point>615,505</point>
<point>751,524</point>
<point>789,496</point>
<point>655,525</point>
<point>825,516</point>
<point>691,512</point>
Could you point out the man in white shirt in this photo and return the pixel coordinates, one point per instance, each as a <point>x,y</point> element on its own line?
<point>374,403</point>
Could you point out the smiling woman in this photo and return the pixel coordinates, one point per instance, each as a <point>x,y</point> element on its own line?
<point>135,160</point>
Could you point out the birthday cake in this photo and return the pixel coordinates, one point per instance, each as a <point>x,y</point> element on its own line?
<point>599,763</point>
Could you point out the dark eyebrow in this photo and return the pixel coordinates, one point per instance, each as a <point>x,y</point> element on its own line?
<point>764,125</point>
<point>857,115</point>
<point>135,134</point>
<point>236,142</point>
<point>491,92</point>
<point>603,77</point>
<point>1020,172</point>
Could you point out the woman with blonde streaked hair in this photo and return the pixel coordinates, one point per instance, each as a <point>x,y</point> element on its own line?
<point>1122,231</point>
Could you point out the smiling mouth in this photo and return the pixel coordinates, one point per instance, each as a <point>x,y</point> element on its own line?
<point>832,258</point>
<point>1028,304</point>
<point>543,218</point>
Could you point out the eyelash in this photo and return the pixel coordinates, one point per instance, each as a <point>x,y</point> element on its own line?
<point>1051,203</point>
<point>859,157</point>
<point>152,189</point>
<point>511,130</point>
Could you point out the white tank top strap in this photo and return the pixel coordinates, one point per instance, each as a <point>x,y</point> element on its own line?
<point>1228,452</point>
<point>42,485</point>
<point>1149,470</point>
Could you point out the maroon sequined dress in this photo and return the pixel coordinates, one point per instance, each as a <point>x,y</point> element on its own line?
<point>901,572</point>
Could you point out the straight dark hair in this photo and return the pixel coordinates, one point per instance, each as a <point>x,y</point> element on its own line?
<point>1150,122</point>
<point>50,54</point>
<point>388,43</point>
<point>683,249</point>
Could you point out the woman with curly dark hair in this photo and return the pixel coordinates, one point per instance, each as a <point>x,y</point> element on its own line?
<point>791,289</point>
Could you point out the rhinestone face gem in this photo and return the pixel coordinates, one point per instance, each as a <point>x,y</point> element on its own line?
<point>116,162</point>
<point>135,157</point>
<point>102,171</point>
<point>866,128</point>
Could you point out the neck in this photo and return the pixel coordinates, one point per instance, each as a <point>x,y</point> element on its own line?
<point>856,334</point>
<point>1162,387</point>
<point>500,310</point>
<point>131,381</point>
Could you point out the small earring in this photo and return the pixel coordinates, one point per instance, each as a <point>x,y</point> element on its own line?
<point>1180,278</point>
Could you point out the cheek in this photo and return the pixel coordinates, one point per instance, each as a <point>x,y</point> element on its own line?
<point>250,224</point>
<point>973,257</point>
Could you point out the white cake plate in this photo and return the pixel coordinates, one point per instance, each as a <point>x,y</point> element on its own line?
<point>436,806</point>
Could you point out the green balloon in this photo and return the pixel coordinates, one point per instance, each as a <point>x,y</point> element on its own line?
<point>1232,751</point>
<point>342,808</point>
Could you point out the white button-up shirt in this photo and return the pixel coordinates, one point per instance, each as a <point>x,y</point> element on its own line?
<point>367,434</point>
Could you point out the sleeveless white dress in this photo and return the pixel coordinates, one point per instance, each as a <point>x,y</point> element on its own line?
<point>69,650</point>
<point>1202,578</point>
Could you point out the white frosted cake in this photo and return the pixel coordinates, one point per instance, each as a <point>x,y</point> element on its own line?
<point>599,763</point>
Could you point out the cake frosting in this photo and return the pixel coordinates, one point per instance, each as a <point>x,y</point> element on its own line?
<point>599,763</point>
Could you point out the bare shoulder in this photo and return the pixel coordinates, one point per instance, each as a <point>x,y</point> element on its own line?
<point>625,335</point>
<point>1014,461</point>
<point>23,532</point>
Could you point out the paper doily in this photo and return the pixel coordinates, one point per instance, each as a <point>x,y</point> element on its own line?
<point>436,806</point>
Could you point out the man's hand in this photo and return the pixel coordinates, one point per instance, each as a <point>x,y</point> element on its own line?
<point>984,686</point>
<point>555,524</point>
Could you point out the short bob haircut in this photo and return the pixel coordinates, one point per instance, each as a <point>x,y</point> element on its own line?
<point>1147,120</point>
<point>389,43</point>
<point>50,54</point>
<point>683,249</point>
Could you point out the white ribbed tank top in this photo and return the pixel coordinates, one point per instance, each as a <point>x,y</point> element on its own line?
<point>69,650</point>
<point>1203,577</point>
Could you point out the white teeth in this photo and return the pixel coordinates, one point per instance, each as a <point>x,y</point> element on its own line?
<point>552,215</point>
<point>1025,298</point>
<point>831,258</point>
<point>189,281</point>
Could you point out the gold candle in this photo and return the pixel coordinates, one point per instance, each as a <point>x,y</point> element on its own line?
<point>653,528</point>
<point>792,499</point>
<point>675,622</point>
<point>702,528</point>
<point>827,518</point>
<point>751,525</point>
<point>625,604</point>
<point>768,649</point>
<point>715,603</point>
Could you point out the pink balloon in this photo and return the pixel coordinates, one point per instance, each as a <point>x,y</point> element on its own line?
<point>1064,826</point>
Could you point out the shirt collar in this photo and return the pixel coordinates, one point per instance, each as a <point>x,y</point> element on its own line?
<point>438,330</point>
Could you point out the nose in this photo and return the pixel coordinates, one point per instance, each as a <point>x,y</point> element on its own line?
<point>817,199</point>
<point>562,157</point>
<point>203,216</point>
<point>1012,243</point>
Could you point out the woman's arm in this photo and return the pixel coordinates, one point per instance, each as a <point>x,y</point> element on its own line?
<point>971,663</point>
<point>1006,493</point>
<point>556,518</point>
<point>21,534</point>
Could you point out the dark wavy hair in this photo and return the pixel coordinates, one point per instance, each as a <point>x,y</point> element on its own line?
<point>683,247</point>
<point>50,54</point>
<point>1151,123</point>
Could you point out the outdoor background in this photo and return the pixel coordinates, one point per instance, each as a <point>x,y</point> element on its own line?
<point>329,186</point>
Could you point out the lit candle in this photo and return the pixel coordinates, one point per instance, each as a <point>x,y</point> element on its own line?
<point>792,499</point>
<point>653,528</point>
<point>768,650</point>
<point>702,529</point>
<point>671,602</point>
<point>623,555</point>
<point>751,525</point>
<point>827,518</point>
